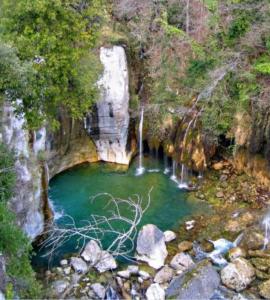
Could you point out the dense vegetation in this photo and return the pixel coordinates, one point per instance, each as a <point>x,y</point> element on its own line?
<point>14,245</point>
<point>46,58</point>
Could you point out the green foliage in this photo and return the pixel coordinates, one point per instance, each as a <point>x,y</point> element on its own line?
<point>54,38</point>
<point>14,244</point>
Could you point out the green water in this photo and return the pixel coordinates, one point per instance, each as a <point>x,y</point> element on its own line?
<point>71,193</point>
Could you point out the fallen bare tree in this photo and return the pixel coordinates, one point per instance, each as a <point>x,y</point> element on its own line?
<point>123,228</point>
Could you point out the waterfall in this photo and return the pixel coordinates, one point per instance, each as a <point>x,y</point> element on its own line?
<point>140,169</point>
<point>109,123</point>
<point>184,177</point>
<point>266,225</point>
<point>166,167</point>
<point>174,166</point>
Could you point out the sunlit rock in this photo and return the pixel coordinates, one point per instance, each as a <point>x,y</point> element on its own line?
<point>78,265</point>
<point>151,246</point>
<point>169,236</point>
<point>155,292</point>
<point>106,262</point>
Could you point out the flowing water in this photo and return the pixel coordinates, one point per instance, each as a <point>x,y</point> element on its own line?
<point>71,191</point>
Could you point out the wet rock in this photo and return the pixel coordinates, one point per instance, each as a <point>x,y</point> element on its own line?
<point>198,283</point>
<point>106,262</point>
<point>60,286</point>
<point>235,253</point>
<point>262,264</point>
<point>252,240</point>
<point>207,246</point>
<point>92,252</point>
<point>169,236</point>
<point>240,223</point>
<point>124,274</point>
<point>181,262</point>
<point>264,289</point>
<point>185,246</point>
<point>155,292</point>
<point>78,265</point>
<point>151,246</point>
<point>238,274</point>
<point>99,290</point>
<point>164,275</point>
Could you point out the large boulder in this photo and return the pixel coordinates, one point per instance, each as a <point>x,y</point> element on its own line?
<point>155,292</point>
<point>151,246</point>
<point>181,262</point>
<point>106,262</point>
<point>238,274</point>
<point>78,264</point>
<point>198,283</point>
<point>92,252</point>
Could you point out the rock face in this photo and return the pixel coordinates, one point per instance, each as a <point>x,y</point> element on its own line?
<point>238,274</point>
<point>198,283</point>
<point>109,125</point>
<point>27,201</point>
<point>151,246</point>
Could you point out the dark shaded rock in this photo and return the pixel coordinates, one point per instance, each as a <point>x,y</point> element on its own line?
<point>198,283</point>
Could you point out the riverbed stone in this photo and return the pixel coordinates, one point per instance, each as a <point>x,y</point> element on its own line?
<point>169,236</point>
<point>124,274</point>
<point>200,283</point>
<point>67,270</point>
<point>181,262</point>
<point>252,240</point>
<point>99,290</point>
<point>264,289</point>
<point>151,246</point>
<point>185,246</point>
<point>78,264</point>
<point>164,275</point>
<point>106,262</point>
<point>144,275</point>
<point>155,292</point>
<point>60,286</point>
<point>64,262</point>
<point>92,252</point>
<point>238,274</point>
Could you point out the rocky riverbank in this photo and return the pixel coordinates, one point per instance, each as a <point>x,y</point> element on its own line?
<point>221,255</point>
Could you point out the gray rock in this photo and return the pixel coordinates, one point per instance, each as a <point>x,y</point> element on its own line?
<point>155,292</point>
<point>92,252</point>
<point>106,262</point>
<point>238,274</point>
<point>151,246</point>
<point>124,274</point>
<point>198,283</point>
<point>144,275</point>
<point>60,286</point>
<point>181,262</point>
<point>169,236</point>
<point>164,275</point>
<point>78,265</point>
<point>67,270</point>
<point>99,290</point>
